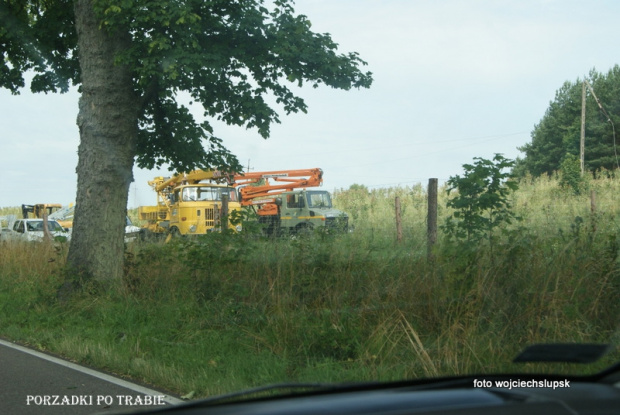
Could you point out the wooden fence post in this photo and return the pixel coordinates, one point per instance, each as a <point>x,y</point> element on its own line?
<point>46,232</point>
<point>431,224</point>
<point>399,225</point>
<point>593,210</point>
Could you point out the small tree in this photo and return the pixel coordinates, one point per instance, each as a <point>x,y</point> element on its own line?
<point>481,203</point>
<point>570,174</point>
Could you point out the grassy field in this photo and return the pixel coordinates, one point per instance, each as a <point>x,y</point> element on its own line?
<point>228,312</point>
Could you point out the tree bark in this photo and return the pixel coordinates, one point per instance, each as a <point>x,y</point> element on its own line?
<point>107,121</point>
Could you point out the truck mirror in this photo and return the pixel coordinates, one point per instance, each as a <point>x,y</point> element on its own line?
<point>278,201</point>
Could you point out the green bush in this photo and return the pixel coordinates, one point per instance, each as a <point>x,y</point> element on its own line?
<point>570,175</point>
<point>481,203</point>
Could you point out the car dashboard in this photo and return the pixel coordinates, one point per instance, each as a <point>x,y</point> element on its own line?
<point>451,396</point>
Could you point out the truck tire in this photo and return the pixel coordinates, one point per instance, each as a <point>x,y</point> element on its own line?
<point>173,233</point>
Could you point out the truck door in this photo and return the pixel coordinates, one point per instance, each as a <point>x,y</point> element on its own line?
<point>174,207</point>
<point>295,201</point>
<point>19,226</point>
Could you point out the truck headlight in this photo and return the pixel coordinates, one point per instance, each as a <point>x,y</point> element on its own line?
<point>192,228</point>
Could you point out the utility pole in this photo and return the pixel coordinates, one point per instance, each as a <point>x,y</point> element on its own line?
<point>582,145</point>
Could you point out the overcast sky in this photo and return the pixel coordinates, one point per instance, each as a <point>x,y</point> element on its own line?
<point>453,80</point>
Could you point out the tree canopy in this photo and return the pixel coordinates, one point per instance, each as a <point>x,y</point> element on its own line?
<point>229,56</point>
<point>557,135</point>
<point>135,61</point>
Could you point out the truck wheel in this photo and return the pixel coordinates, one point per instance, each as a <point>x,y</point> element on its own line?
<point>173,233</point>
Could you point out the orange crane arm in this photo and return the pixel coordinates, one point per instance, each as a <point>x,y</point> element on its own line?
<point>257,185</point>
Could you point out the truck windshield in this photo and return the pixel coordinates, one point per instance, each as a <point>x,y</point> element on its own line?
<point>319,199</point>
<point>208,193</point>
<point>34,226</point>
<point>54,226</point>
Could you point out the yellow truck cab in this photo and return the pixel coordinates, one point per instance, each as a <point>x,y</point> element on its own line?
<point>200,208</point>
<point>190,204</point>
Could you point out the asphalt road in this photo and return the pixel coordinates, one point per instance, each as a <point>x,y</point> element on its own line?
<point>35,383</point>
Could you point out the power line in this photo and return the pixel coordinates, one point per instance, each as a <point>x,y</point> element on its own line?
<point>613,127</point>
<point>423,154</point>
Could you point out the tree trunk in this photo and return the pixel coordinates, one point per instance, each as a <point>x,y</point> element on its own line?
<point>107,121</point>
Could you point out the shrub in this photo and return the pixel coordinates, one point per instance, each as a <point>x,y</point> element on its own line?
<point>481,203</point>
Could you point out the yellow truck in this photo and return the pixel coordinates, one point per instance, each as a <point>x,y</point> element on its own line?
<point>193,203</point>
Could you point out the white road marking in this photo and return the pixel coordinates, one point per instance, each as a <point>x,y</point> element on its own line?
<point>108,378</point>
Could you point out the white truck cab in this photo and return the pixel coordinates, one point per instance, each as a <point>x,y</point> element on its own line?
<point>32,230</point>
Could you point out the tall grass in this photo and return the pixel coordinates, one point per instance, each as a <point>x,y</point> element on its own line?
<point>225,312</point>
